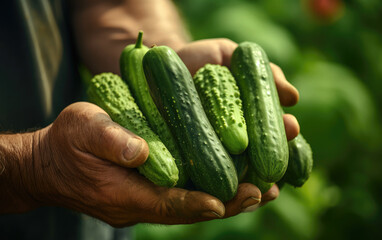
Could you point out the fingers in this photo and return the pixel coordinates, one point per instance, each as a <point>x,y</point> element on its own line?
<point>292,128</point>
<point>288,94</point>
<point>175,206</point>
<point>106,139</point>
<point>248,197</point>
<point>119,145</point>
<point>227,47</point>
<point>271,195</point>
<point>184,206</point>
<point>214,51</point>
<point>219,51</point>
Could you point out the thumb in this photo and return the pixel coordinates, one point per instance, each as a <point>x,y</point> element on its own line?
<point>108,140</point>
<point>120,145</point>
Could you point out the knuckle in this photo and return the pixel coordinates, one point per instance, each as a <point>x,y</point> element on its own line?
<point>226,41</point>
<point>170,204</point>
<point>106,135</point>
<point>165,208</point>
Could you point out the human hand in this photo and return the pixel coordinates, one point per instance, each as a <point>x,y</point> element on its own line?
<point>219,51</point>
<point>85,162</point>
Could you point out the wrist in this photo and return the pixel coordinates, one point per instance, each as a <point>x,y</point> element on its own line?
<point>17,178</point>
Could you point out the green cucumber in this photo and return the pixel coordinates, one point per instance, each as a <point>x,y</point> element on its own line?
<point>109,92</point>
<point>247,173</point>
<point>268,147</point>
<point>300,162</point>
<point>241,165</point>
<point>132,73</point>
<point>209,165</point>
<point>252,177</point>
<point>220,97</point>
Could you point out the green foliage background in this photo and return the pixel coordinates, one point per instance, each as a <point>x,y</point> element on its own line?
<point>337,67</point>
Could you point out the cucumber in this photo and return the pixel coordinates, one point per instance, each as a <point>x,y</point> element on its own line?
<point>209,165</point>
<point>132,73</point>
<point>248,174</point>
<point>241,165</point>
<point>300,162</point>
<point>268,147</point>
<point>109,92</point>
<point>252,177</point>
<point>220,98</point>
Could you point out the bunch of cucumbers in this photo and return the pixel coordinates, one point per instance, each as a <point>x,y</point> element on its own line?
<point>211,131</point>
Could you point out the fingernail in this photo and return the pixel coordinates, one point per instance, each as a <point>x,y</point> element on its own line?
<point>251,208</point>
<point>134,147</point>
<point>211,214</point>
<point>250,203</point>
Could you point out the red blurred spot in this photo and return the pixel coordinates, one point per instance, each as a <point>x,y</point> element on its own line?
<point>326,10</point>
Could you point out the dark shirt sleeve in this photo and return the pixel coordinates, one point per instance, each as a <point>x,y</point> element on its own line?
<point>38,74</point>
<point>38,78</point>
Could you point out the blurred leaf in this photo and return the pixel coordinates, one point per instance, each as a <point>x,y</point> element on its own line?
<point>282,11</point>
<point>335,107</point>
<point>291,209</point>
<point>371,46</point>
<point>318,194</point>
<point>245,22</point>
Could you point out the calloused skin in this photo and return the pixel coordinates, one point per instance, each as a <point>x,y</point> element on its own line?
<point>86,162</point>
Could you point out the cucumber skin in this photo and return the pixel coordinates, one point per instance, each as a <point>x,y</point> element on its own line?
<point>248,174</point>
<point>252,177</point>
<point>220,98</point>
<point>241,165</point>
<point>209,165</point>
<point>132,73</point>
<point>300,162</point>
<point>109,92</point>
<point>268,147</point>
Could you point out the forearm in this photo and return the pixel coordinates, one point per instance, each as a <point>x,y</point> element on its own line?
<point>103,28</point>
<point>16,161</point>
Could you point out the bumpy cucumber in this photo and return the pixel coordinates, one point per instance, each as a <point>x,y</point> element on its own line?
<point>132,73</point>
<point>209,165</point>
<point>300,162</point>
<point>108,91</point>
<point>220,97</point>
<point>268,147</point>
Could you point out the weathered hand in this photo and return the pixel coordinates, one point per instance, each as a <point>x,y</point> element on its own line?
<point>83,161</point>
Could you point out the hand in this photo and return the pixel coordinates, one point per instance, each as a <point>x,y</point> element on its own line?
<point>219,51</point>
<point>85,162</point>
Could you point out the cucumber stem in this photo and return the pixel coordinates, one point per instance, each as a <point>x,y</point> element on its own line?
<point>138,44</point>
